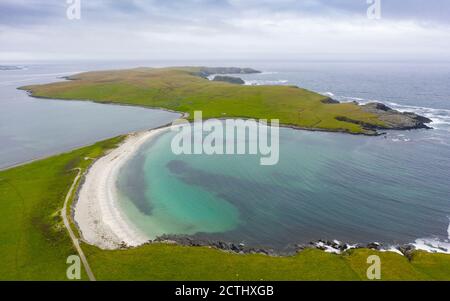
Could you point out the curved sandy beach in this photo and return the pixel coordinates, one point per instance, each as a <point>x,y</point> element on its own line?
<point>96,212</point>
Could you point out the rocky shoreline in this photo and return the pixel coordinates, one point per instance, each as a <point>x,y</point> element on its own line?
<point>392,119</point>
<point>334,247</point>
<point>396,120</point>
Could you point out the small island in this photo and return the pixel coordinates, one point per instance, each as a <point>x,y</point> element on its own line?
<point>187,89</point>
<point>229,79</point>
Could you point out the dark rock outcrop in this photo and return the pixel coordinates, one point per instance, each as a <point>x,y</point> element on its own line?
<point>228,70</point>
<point>240,248</point>
<point>229,79</point>
<point>407,251</point>
<point>392,119</point>
<point>207,71</point>
<point>374,246</point>
<point>395,120</point>
<point>329,100</point>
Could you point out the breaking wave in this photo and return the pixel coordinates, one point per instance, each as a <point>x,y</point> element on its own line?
<point>439,116</point>
<point>434,245</point>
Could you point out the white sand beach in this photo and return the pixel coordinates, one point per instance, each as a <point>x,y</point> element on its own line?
<point>97,211</point>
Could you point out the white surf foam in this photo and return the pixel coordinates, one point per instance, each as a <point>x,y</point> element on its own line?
<point>259,82</point>
<point>352,99</point>
<point>399,138</point>
<point>392,249</point>
<point>334,250</point>
<point>439,116</point>
<point>434,245</point>
<point>448,230</point>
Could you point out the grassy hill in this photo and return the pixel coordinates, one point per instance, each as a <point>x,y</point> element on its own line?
<point>184,89</point>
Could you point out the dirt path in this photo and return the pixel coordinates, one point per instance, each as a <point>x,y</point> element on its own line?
<point>75,240</point>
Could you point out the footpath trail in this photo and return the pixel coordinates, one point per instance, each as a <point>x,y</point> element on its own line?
<point>75,240</point>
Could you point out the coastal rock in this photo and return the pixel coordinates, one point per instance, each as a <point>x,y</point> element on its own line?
<point>392,119</point>
<point>229,79</point>
<point>335,246</point>
<point>330,100</point>
<point>395,120</point>
<point>206,71</point>
<point>407,250</point>
<point>240,248</point>
<point>374,246</point>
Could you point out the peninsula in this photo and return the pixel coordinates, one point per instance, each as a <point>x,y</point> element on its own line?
<point>188,89</point>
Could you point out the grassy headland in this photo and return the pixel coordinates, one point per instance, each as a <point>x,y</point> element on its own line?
<point>34,244</point>
<point>184,89</point>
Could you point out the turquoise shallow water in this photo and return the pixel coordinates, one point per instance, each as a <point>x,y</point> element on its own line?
<point>325,186</point>
<point>164,204</point>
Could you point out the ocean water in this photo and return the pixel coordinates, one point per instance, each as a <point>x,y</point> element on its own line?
<point>392,189</point>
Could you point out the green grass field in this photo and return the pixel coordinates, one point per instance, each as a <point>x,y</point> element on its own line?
<point>34,245</point>
<point>33,241</point>
<point>180,89</point>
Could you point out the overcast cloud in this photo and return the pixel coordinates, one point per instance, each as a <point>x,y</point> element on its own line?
<point>224,29</point>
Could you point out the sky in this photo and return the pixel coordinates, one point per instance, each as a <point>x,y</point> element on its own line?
<point>225,29</point>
